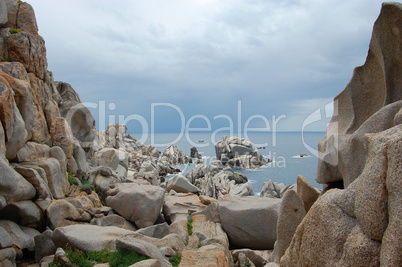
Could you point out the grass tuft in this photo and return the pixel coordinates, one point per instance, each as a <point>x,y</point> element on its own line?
<point>86,186</point>
<point>175,259</point>
<point>12,31</point>
<point>71,179</point>
<point>190,226</point>
<point>118,258</point>
<point>123,258</point>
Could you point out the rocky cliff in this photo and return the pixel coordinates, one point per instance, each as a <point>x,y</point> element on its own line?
<point>362,149</point>
<point>42,137</point>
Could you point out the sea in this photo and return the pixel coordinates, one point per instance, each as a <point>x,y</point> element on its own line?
<point>283,148</point>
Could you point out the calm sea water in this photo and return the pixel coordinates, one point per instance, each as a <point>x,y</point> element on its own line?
<point>283,148</point>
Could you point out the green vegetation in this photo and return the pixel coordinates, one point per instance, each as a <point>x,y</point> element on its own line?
<point>71,179</point>
<point>86,186</point>
<point>247,263</point>
<point>175,260</point>
<point>6,59</point>
<point>118,258</point>
<point>12,31</point>
<point>190,226</point>
<point>122,258</point>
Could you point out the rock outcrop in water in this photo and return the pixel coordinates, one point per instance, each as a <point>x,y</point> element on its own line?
<point>238,152</point>
<point>361,225</point>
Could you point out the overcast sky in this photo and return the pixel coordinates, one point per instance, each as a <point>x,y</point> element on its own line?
<point>207,57</point>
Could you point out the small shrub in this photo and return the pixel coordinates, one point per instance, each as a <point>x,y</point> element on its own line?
<point>71,179</point>
<point>12,31</point>
<point>190,226</point>
<point>118,258</point>
<point>123,258</point>
<point>175,259</point>
<point>86,186</point>
<point>78,257</point>
<point>102,256</point>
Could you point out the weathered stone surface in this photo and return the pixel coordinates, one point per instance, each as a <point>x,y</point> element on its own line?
<point>116,137</point>
<point>80,157</point>
<point>13,187</point>
<point>83,237</point>
<point>44,245</point>
<point>108,157</point>
<point>238,152</point>
<point>206,256</point>
<point>13,124</point>
<point>206,232</point>
<point>2,141</point>
<point>250,222</point>
<point>114,220</point>
<point>22,237</point>
<point>143,248</point>
<point>104,183</point>
<point>198,172</point>
<point>220,181</point>
<point>148,263</point>
<point>291,214</point>
<point>342,151</point>
<point>175,156</point>
<point>391,249</point>
<point>56,177</point>
<point>37,177</point>
<point>60,257</point>
<point>157,231</point>
<point>360,250</point>
<point>5,239</point>
<point>32,151</point>
<point>194,153</point>
<point>180,184</point>
<point>3,13</point>
<point>24,213</point>
<point>272,189</point>
<point>23,99</point>
<point>178,207</point>
<point>78,116</point>
<point>307,192</point>
<point>319,240</point>
<point>143,203</point>
<point>257,257</point>
<point>62,213</point>
<point>41,95</point>
<point>349,225</point>
<point>22,16</point>
<point>179,227</point>
<point>62,136</point>
<point>8,257</point>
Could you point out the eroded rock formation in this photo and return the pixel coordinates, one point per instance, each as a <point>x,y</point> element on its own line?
<point>360,225</point>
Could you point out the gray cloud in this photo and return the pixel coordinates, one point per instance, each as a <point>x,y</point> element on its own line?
<point>204,56</point>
